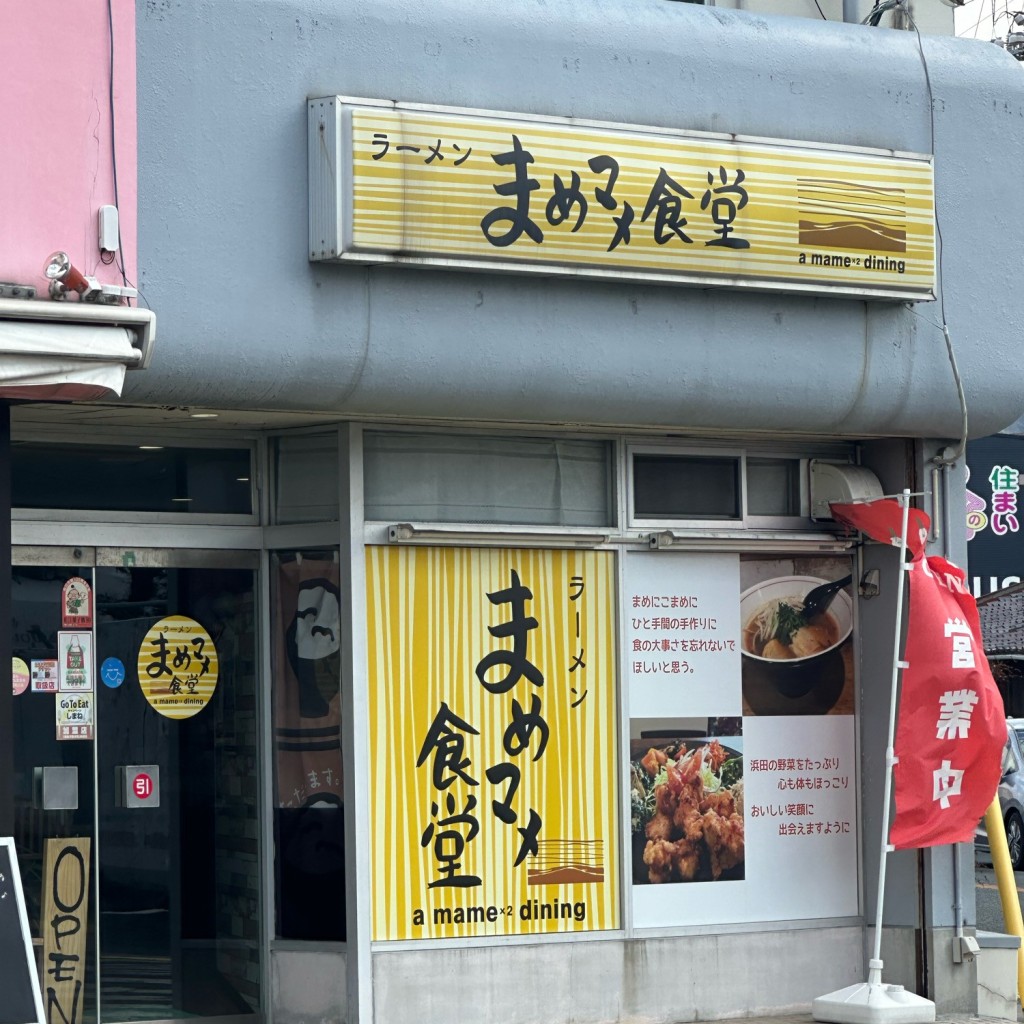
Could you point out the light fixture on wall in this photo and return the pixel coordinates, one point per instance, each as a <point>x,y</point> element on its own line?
<point>462,536</point>
<point>65,277</point>
<point>746,541</point>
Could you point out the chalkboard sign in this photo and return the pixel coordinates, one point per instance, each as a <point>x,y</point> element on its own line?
<point>21,1002</point>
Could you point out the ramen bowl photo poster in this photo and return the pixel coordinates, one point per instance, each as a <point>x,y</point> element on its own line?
<point>796,654</point>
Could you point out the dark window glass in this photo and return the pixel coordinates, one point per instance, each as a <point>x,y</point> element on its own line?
<point>309,821</point>
<point>111,478</point>
<point>773,487</point>
<point>686,487</point>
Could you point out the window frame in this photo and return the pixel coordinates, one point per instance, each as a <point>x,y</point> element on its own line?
<point>703,522</point>
<point>103,439</point>
<point>471,526</point>
<point>801,522</point>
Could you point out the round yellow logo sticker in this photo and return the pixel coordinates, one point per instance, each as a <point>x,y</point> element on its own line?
<point>19,673</point>
<point>178,667</point>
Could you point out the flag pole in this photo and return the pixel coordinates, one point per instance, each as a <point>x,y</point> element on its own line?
<point>872,1002</point>
<point>875,963</point>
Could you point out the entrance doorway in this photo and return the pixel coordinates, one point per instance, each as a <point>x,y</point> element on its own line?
<point>159,774</point>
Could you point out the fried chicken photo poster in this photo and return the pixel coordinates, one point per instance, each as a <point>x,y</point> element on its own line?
<point>741,738</point>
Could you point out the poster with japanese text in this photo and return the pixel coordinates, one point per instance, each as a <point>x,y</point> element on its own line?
<point>743,787</point>
<point>74,716</point>
<point>44,676</point>
<point>493,756</point>
<point>682,633</point>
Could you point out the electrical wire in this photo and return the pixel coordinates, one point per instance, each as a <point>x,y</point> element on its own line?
<point>974,31</point>
<point>990,11</point>
<point>820,11</point>
<point>942,459</point>
<point>109,258</point>
<point>113,143</point>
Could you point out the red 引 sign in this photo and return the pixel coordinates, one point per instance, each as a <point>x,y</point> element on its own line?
<point>142,786</point>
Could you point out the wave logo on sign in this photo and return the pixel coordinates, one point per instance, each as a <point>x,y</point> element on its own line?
<point>832,214</point>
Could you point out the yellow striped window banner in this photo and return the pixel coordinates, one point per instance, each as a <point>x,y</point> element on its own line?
<point>493,752</point>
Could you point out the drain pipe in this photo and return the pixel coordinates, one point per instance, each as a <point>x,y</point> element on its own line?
<point>850,12</point>
<point>965,947</point>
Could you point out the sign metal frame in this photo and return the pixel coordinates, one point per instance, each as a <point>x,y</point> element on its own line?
<point>335,234</point>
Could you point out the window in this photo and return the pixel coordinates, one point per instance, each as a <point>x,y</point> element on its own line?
<point>108,478</point>
<point>309,824</point>
<point>773,487</point>
<point>686,487</point>
<point>444,478</point>
<point>729,488</point>
<point>1010,763</point>
<point>306,478</point>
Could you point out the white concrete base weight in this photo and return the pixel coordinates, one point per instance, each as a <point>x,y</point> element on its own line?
<point>872,1002</point>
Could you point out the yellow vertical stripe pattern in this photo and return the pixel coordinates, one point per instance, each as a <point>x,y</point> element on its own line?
<point>427,619</point>
<point>178,667</point>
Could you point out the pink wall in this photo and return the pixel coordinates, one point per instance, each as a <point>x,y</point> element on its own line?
<point>55,135</point>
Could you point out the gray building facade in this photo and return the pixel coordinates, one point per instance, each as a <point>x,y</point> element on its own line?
<point>391,411</point>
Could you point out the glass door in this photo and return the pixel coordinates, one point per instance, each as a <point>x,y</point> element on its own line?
<point>166,782</point>
<point>54,796</point>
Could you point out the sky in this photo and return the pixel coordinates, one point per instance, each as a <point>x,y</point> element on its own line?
<point>974,19</point>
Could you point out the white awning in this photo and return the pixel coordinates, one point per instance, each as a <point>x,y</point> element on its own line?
<point>70,351</point>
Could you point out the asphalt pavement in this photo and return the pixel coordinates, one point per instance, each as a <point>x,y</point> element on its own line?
<point>989,906</point>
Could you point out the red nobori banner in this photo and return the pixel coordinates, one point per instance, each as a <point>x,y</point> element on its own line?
<point>952,726</point>
<point>882,520</point>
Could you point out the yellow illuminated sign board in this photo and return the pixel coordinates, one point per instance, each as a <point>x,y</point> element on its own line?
<point>493,754</point>
<point>460,188</point>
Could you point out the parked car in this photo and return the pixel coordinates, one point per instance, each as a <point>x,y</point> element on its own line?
<point>1011,797</point>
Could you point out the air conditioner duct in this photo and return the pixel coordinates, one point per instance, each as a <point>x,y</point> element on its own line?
<point>833,481</point>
